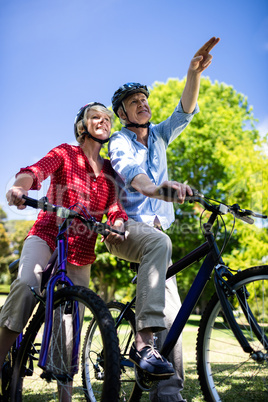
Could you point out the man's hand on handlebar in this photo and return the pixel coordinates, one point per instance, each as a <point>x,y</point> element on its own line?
<point>172,191</point>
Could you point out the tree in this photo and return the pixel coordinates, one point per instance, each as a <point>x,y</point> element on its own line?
<point>4,246</point>
<point>4,252</point>
<point>12,235</point>
<point>3,215</point>
<point>222,155</point>
<point>19,232</point>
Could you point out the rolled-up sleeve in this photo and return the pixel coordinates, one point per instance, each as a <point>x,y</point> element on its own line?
<point>171,128</point>
<point>44,167</point>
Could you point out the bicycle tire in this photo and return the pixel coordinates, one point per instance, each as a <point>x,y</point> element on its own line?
<point>7,370</point>
<point>27,375</point>
<point>226,373</point>
<point>129,390</point>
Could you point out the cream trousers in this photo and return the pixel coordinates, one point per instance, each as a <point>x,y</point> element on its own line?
<point>157,301</point>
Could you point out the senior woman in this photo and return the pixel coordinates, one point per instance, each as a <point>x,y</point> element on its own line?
<point>78,175</point>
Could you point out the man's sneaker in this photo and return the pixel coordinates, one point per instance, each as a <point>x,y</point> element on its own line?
<point>150,360</point>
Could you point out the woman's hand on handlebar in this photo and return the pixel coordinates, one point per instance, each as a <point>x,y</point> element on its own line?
<point>173,191</point>
<point>115,238</point>
<point>14,196</point>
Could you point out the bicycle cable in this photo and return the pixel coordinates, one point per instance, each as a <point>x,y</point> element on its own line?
<point>226,240</point>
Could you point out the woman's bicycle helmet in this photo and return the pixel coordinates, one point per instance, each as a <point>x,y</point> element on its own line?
<point>80,116</point>
<point>125,90</point>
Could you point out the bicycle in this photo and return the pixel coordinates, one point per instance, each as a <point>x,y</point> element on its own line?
<point>232,342</point>
<point>48,351</point>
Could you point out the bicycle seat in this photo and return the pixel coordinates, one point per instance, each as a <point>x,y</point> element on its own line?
<point>13,267</point>
<point>134,266</point>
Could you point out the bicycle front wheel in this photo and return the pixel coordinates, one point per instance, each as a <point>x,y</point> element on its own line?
<point>129,390</point>
<point>55,382</point>
<point>226,373</point>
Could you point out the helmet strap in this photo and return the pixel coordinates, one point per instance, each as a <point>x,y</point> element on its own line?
<point>97,139</point>
<point>146,125</point>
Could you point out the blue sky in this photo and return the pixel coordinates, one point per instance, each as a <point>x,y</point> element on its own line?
<point>57,55</point>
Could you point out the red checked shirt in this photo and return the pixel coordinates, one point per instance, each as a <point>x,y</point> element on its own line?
<point>73,181</point>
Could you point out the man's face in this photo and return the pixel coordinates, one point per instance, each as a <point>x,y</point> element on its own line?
<point>137,108</point>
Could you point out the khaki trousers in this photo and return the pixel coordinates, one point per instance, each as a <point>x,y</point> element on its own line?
<point>157,301</point>
<point>20,302</point>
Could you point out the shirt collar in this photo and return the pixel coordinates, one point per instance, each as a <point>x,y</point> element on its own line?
<point>131,134</point>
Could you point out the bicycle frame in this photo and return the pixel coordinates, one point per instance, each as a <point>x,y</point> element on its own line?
<point>61,278</point>
<point>208,250</point>
<point>212,257</point>
<point>213,260</point>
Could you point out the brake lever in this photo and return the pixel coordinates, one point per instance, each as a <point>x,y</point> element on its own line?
<point>255,214</point>
<point>242,214</point>
<point>195,197</point>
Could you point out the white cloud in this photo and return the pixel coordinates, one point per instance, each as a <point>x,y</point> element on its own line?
<point>262,127</point>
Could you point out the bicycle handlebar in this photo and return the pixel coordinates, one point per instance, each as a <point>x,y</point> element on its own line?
<point>103,229</point>
<point>65,213</point>
<point>221,209</point>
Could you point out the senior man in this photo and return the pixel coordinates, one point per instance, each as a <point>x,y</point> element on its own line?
<point>138,155</point>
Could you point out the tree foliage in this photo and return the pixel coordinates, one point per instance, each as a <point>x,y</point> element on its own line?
<point>4,246</point>
<point>3,215</point>
<point>4,251</point>
<point>19,232</point>
<point>12,235</point>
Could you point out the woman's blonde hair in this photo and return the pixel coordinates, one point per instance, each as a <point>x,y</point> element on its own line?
<point>83,122</point>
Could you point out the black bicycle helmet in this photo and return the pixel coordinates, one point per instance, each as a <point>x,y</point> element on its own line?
<point>80,116</point>
<point>124,91</point>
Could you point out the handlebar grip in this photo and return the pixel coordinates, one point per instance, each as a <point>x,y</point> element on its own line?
<point>245,218</point>
<point>39,204</point>
<point>30,202</point>
<point>172,193</point>
<point>105,229</point>
<point>168,192</point>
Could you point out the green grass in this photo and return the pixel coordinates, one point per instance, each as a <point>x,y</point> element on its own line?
<point>192,390</point>
<point>2,299</point>
<point>4,288</point>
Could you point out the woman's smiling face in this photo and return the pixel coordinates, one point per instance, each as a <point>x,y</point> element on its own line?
<point>98,124</point>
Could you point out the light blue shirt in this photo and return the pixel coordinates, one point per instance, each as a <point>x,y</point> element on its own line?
<point>130,158</point>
